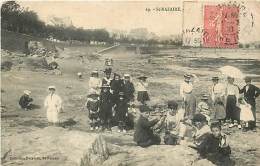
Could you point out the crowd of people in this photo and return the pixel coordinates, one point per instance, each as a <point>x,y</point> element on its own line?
<point>109,100</point>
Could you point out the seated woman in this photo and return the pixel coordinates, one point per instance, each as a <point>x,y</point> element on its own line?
<point>202,128</point>
<point>143,134</point>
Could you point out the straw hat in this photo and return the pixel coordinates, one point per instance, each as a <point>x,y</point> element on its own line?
<point>94,72</point>
<point>215,78</point>
<point>51,87</point>
<point>27,92</point>
<point>187,75</point>
<point>142,77</point>
<point>126,75</point>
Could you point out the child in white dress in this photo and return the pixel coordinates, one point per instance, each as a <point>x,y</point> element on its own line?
<point>246,114</point>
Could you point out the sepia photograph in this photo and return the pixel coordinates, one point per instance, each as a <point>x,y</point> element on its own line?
<point>130,83</point>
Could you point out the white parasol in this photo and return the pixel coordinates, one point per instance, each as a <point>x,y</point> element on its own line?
<point>231,72</point>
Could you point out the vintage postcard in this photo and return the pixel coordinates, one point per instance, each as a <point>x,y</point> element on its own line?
<point>118,83</point>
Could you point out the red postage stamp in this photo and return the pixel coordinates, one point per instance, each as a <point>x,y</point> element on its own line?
<point>221,26</point>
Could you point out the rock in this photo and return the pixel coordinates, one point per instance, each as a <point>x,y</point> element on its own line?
<point>56,146</point>
<point>203,162</point>
<point>165,155</point>
<point>36,63</point>
<point>6,65</point>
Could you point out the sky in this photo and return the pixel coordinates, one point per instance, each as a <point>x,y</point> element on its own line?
<point>131,14</point>
<point>112,15</point>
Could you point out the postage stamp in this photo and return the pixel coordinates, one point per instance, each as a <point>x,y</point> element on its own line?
<point>221,26</point>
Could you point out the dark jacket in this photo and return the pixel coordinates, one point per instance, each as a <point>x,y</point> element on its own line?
<point>93,105</point>
<point>210,146</point>
<point>24,101</point>
<point>128,89</point>
<point>116,87</point>
<point>143,131</point>
<point>250,94</point>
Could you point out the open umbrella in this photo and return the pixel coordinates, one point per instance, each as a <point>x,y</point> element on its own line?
<point>231,71</point>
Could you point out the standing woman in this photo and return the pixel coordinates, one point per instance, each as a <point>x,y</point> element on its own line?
<point>218,98</point>
<point>142,94</point>
<point>53,103</point>
<point>232,95</point>
<point>188,97</point>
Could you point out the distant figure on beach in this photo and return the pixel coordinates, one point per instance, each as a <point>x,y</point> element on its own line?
<point>109,62</point>
<point>53,104</point>
<point>25,100</point>
<point>79,75</point>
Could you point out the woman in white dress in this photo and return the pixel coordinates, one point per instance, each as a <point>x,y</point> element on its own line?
<point>53,104</point>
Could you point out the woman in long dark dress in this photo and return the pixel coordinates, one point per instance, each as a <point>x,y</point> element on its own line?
<point>121,112</point>
<point>106,107</point>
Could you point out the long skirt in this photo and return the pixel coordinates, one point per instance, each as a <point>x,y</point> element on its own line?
<point>190,105</point>
<point>142,96</point>
<point>232,111</point>
<point>105,114</point>
<point>219,108</point>
<point>52,115</point>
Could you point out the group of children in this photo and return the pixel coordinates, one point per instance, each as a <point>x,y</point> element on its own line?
<point>109,99</point>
